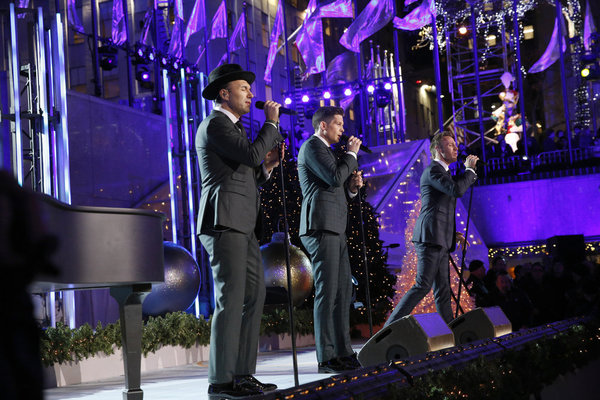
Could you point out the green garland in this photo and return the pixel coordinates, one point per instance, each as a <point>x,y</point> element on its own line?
<point>62,344</point>
<point>517,374</point>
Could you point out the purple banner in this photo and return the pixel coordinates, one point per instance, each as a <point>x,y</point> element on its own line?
<point>588,26</point>
<point>119,31</point>
<point>238,38</point>
<point>552,52</point>
<point>417,18</point>
<point>219,23</point>
<point>197,20</point>
<point>375,16</point>
<point>275,34</point>
<point>72,16</point>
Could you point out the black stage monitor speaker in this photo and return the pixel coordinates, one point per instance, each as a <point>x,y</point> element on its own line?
<point>569,249</point>
<point>409,336</point>
<point>480,323</point>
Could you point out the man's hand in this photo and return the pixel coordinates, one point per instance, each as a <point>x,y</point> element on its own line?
<point>461,240</point>
<point>471,161</point>
<point>271,109</point>
<point>356,181</point>
<point>354,144</point>
<point>272,158</point>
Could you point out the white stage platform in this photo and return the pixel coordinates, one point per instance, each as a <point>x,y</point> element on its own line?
<point>190,381</point>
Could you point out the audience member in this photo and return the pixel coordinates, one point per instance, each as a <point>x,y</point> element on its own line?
<point>512,300</point>
<point>477,290</point>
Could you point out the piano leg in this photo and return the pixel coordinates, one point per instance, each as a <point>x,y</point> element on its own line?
<point>130,300</point>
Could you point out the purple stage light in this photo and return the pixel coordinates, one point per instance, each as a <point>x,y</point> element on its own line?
<point>163,61</point>
<point>145,76</point>
<point>387,86</point>
<point>305,98</point>
<point>370,89</point>
<point>327,94</point>
<point>140,52</point>
<point>287,101</point>
<point>175,65</point>
<point>348,92</point>
<point>151,55</point>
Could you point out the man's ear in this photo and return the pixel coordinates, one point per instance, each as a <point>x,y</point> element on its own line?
<point>224,93</point>
<point>323,126</point>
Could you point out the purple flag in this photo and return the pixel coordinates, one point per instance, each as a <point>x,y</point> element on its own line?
<point>275,34</point>
<point>197,20</point>
<point>175,48</point>
<point>552,52</point>
<point>72,17</point>
<point>219,23</point>
<point>375,16</point>
<point>223,60</point>
<point>119,33</point>
<point>310,38</point>
<point>146,27</point>
<point>417,18</point>
<point>588,26</point>
<point>238,38</point>
<point>200,54</point>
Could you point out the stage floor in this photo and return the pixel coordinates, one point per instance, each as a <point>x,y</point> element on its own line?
<point>190,381</point>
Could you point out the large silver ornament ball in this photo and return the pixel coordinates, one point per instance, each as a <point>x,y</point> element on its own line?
<point>273,259</point>
<point>182,281</point>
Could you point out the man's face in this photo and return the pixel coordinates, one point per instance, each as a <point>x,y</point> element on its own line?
<point>237,97</point>
<point>503,283</point>
<point>447,150</point>
<point>332,131</point>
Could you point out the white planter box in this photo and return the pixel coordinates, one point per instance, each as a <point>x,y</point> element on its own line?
<point>284,342</point>
<point>103,366</point>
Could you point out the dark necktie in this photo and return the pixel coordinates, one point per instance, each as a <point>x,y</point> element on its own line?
<point>241,127</point>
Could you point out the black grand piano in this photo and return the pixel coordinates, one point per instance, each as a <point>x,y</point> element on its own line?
<point>100,247</point>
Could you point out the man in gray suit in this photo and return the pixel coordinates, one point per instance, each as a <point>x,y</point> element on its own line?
<point>327,184</point>
<point>231,168</point>
<point>435,233</point>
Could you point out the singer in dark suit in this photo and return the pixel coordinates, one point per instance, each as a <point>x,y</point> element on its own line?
<point>231,168</point>
<point>327,184</point>
<point>435,233</point>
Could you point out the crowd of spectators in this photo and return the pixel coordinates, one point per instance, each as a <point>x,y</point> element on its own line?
<point>537,294</point>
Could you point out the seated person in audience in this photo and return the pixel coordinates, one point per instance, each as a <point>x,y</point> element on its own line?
<point>537,293</point>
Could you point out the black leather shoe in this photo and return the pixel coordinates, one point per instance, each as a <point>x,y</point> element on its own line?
<point>333,366</point>
<point>351,361</point>
<point>218,391</point>
<point>250,380</point>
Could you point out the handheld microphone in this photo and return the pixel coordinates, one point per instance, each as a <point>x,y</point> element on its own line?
<point>362,146</point>
<point>479,163</point>
<point>282,110</point>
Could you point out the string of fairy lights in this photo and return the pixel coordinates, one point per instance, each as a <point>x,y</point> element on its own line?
<point>535,250</point>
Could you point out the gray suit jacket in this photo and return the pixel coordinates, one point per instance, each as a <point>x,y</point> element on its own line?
<point>436,223</point>
<point>230,168</point>
<point>322,180</point>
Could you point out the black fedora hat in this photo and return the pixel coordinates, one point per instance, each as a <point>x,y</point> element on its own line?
<point>219,76</point>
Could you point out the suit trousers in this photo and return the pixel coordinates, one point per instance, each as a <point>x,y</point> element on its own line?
<point>432,270</point>
<point>239,284</point>
<point>333,293</point>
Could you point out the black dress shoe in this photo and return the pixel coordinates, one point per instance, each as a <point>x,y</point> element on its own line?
<point>351,361</point>
<point>218,391</point>
<point>252,381</point>
<point>333,366</point>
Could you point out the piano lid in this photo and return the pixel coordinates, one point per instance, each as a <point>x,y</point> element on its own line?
<point>101,246</point>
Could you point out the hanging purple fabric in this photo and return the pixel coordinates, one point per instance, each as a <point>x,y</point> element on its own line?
<point>119,32</point>
<point>22,4</point>
<point>375,16</point>
<point>197,20</point>
<point>72,17</point>
<point>175,47</point>
<point>342,69</point>
<point>146,28</point>
<point>588,26</point>
<point>310,38</point>
<point>275,34</point>
<point>238,38</point>
<point>417,18</point>
<point>552,52</point>
<point>219,23</point>
<point>200,54</point>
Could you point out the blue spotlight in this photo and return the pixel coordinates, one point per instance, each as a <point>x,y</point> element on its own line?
<point>305,98</point>
<point>287,101</point>
<point>370,89</point>
<point>327,94</point>
<point>387,86</point>
<point>348,92</point>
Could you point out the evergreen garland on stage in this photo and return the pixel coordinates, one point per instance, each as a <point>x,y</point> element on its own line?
<point>381,281</point>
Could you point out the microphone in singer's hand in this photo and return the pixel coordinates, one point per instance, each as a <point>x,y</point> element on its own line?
<point>282,110</point>
<point>362,146</point>
<point>479,162</point>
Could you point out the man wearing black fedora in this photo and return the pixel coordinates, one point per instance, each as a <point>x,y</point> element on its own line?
<point>232,168</point>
